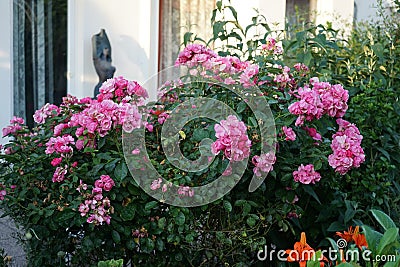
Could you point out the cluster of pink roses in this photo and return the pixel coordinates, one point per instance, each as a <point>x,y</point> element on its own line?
<point>272,47</point>
<point>60,145</point>
<point>207,63</point>
<point>120,89</point>
<point>100,117</point>
<point>93,118</point>
<point>185,191</point>
<point>182,190</point>
<point>48,110</point>
<point>16,124</point>
<point>306,174</point>
<point>98,207</point>
<point>3,191</point>
<point>232,139</point>
<point>263,163</point>
<point>346,147</point>
<point>301,68</point>
<point>156,184</point>
<point>322,98</point>
<point>193,54</point>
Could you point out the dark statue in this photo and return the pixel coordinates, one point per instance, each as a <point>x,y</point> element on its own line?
<point>102,58</point>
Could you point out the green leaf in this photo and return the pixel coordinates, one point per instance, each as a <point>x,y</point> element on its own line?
<point>130,244</point>
<point>121,171</point>
<point>241,107</point>
<point>251,221</point>
<point>96,168</point>
<point>246,209</point>
<point>389,237</point>
<point>65,215</point>
<point>105,156</point>
<point>186,37</point>
<point>162,222</point>
<point>372,238</point>
<point>150,205</point>
<point>307,58</point>
<point>336,227</point>
<point>128,212</point>
<point>160,244</point>
<point>309,190</point>
<point>314,261</point>
<point>384,152</point>
<point>395,263</point>
<point>349,214</point>
<point>345,264</point>
<point>115,236</point>
<point>87,244</point>
<point>219,5</point>
<point>383,219</point>
<point>234,13</point>
<point>227,205</point>
<point>180,218</point>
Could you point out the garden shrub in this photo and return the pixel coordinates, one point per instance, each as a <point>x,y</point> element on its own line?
<point>67,183</point>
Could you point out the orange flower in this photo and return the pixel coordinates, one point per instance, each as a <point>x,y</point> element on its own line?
<point>301,253</point>
<point>354,235</point>
<point>348,236</point>
<point>359,239</point>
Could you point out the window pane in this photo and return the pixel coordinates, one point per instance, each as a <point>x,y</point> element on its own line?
<point>178,17</point>
<point>40,54</point>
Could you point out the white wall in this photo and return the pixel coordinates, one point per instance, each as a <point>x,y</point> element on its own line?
<point>131,27</point>
<point>339,12</point>
<point>273,10</point>
<point>367,9</point>
<point>6,84</point>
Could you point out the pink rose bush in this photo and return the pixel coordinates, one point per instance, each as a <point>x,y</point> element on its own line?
<point>78,125</point>
<point>72,163</point>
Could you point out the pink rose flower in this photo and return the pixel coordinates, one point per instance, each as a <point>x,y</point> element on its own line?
<point>306,174</point>
<point>289,133</point>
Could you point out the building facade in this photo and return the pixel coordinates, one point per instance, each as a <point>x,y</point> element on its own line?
<point>46,48</point>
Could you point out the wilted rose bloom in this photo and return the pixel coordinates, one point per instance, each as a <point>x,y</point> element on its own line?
<point>59,174</point>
